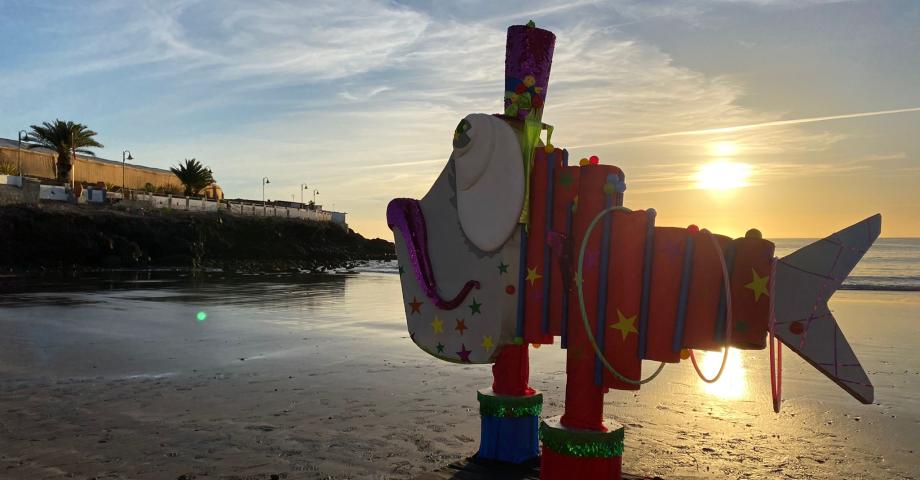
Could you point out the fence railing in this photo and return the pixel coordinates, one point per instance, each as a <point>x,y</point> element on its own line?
<point>61,193</point>
<point>238,208</point>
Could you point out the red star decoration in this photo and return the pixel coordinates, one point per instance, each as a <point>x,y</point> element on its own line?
<point>464,354</point>
<point>415,304</point>
<point>461,325</point>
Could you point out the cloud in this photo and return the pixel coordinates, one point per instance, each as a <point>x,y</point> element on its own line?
<point>356,97</point>
<point>273,42</point>
<point>361,98</point>
<point>327,40</point>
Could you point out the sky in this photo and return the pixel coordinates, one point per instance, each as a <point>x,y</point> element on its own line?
<point>359,99</point>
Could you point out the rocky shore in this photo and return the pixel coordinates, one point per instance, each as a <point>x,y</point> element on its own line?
<point>66,237</point>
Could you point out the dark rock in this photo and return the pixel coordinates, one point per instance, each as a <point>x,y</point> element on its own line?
<point>62,237</point>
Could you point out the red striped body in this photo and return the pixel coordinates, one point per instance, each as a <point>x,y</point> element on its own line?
<point>750,292</point>
<point>565,190</point>
<point>686,304</point>
<point>624,294</point>
<point>536,288</point>
<point>667,265</point>
<point>706,283</point>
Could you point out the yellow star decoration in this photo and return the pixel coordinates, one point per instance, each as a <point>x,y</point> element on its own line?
<point>437,325</point>
<point>758,285</point>
<point>532,275</point>
<point>625,325</point>
<point>487,342</point>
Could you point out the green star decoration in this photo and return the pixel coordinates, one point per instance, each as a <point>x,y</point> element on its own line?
<point>502,268</point>
<point>565,179</point>
<point>440,347</point>
<point>474,307</point>
<point>741,326</point>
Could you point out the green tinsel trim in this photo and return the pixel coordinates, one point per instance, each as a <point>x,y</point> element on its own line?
<point>582,444</point>
<point>501,406</point>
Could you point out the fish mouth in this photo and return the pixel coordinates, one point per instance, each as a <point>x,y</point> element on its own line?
<point>405,216</point>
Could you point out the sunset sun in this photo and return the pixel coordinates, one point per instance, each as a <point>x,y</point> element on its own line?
<point>723,175</point>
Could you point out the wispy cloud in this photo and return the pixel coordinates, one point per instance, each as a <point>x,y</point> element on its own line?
<point>363,96</point>
<point>753,126</point>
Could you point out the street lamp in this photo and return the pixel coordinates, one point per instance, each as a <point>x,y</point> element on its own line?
<point>123,159</point>
<point>315,193</point>
<point>22,134</point>
<point>303,186</point>
<point>73,167</point>
<point>265,181</point>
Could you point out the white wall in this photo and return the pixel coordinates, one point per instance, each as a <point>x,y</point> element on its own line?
<point>52,192</point>
<point>205,205</point>
<point>11,180</point>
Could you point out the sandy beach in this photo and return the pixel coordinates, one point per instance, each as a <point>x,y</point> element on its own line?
<point>286,378</point>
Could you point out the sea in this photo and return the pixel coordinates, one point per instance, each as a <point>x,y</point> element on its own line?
<point>891,265</point>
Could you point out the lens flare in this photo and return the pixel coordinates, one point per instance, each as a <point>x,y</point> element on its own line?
<point>201,316</point>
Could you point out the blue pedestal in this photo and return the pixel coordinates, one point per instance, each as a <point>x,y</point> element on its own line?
<point>512,440</point>
<point>510,427</point>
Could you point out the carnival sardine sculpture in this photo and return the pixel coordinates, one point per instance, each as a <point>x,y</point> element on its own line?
<point>474,279</point>
<point>513,245</point>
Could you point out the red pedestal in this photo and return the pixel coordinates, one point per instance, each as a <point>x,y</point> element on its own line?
<point>557,466</point>
<point>570,453</point>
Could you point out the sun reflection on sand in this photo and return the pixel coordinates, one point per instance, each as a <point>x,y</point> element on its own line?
<point>733,384</point>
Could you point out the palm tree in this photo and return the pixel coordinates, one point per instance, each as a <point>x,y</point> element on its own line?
<point>66,138</point>
<point>193,175</point>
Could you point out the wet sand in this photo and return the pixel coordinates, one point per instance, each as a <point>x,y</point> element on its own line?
<point>286,379</point>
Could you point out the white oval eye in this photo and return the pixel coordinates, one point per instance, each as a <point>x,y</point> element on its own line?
<point>473,148</point>
<point>490,182</point>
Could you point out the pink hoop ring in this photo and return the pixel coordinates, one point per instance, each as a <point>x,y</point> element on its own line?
<point>776,359</point>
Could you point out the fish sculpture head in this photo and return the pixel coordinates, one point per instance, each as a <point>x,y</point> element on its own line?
<point>458,247</point>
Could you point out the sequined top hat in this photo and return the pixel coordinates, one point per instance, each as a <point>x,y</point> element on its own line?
<point>528,58</point>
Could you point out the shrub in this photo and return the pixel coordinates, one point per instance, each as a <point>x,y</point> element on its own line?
<point>8,168</point>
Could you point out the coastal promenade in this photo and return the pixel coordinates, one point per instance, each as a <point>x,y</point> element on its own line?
<point>19,190</point>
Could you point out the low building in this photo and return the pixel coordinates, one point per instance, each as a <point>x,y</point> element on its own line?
<point>339,218</point>
<point>40,163</point>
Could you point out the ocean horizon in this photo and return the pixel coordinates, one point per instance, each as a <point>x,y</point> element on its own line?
<point>891,265</point>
